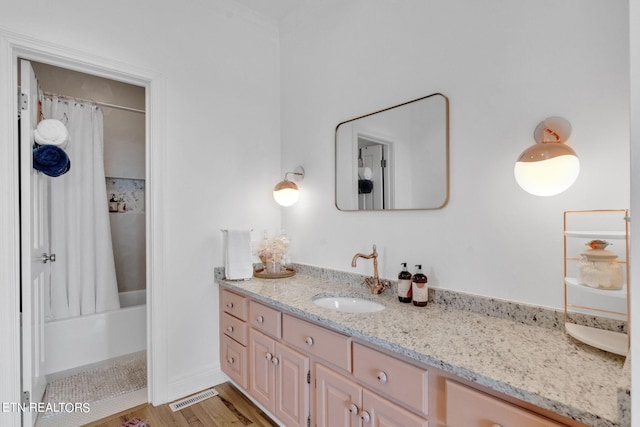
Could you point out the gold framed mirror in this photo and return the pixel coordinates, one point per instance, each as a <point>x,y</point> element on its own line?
<point>394,159</point>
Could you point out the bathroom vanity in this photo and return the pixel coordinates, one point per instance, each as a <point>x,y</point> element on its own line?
<point>430,366</point>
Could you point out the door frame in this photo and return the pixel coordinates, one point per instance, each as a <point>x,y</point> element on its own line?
<point>12,47</point>
<point>388,144</point>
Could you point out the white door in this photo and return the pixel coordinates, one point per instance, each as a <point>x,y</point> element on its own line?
<point>373,158</point>
<point>34,188</point>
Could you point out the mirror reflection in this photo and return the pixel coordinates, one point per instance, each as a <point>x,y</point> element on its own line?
<point>396,158</point>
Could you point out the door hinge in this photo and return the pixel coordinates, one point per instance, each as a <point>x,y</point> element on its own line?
<point>309,421</point>
<point>309,376</point>
<point>23,102</point>
<point>26,398</point>
<point>383,163</point>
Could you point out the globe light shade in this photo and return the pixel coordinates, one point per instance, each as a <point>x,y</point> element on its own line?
<point>547,177</point>
<point>286,193</point>
<point>548,167</point>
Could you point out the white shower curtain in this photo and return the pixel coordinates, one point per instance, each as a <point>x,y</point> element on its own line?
<point>83,277</point>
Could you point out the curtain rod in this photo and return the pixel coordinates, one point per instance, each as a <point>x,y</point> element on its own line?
<point>91,101</point>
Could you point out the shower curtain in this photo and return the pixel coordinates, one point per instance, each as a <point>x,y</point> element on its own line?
<point>83,277</point>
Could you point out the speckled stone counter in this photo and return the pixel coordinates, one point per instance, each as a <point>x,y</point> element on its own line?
<point>539,365</point>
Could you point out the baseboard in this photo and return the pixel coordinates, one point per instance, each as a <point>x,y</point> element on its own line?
<point>194,383</point>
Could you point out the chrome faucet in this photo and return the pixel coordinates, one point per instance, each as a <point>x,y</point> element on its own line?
<point>376,284</point>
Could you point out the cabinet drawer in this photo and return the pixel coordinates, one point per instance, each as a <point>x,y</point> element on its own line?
<point>265,319</point>
<point>234,328</point>
<point>399,380</point>
<point>466,407</point>
<point>234,304</point>
<point>234,361</point>
<point>318,341</point>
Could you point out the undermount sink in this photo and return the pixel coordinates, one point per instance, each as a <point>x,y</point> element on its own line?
<point>348,304</point>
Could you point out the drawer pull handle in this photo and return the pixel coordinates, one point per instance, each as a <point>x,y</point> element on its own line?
<point>231,360</point>
<point>353,409</point>
<point>496,425</point>
<point>268,356</point>
<point>260,319</point>
<point>382,377</point>
<point>229,305</point>
<point>230,329</point>
<point>365,417</point>
<point>275,361</point>
<point>309,341</point>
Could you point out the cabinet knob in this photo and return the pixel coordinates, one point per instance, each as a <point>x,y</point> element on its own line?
<point>230,329</point>
<point>382,377</point>
<point>231,360</point>
<point>260,319</point>
<point>229,305</point>
<point>268,356</point>
<point>309,341</point>
<point>365,417</point>
<point>275,361</point>
<point>353,409</point>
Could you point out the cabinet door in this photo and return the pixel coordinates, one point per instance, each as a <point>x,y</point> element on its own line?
<point>262,386</point>
<point>234,361</point>
<point>338,400</point>
<point>292,389</point>
<point>382,413</point>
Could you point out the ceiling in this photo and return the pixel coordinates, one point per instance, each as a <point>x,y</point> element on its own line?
<point>274,9</point>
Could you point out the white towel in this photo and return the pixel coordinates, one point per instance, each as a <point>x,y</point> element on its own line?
<point>238,259</point>
<point>51,132</point>
<point>364,173</point>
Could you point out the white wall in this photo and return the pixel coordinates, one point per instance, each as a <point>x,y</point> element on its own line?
<point>505,66</point>
<point>221,79</point>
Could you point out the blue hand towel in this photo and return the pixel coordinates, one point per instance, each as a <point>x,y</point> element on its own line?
<point>51,160</point>
<point>365,186</point>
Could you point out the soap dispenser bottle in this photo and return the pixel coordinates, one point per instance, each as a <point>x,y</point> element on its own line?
<point>404,284</point>
<point>419,288</point>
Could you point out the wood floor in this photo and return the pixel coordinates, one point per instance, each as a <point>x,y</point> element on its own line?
<point>229,408</point>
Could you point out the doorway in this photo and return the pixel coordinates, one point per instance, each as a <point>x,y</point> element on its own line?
<point>375,173</point>
<point>87,338</point>
<point>15,46</point>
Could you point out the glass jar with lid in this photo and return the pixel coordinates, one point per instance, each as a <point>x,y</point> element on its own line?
<point>599,268</point>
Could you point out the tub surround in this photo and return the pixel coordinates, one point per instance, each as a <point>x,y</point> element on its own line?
<point>515,349</point>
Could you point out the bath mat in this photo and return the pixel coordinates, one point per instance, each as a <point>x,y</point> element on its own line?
<point>135,422</point>
<point>106,381</point>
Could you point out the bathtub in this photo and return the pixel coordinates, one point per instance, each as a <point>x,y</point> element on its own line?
<point>85,340</point>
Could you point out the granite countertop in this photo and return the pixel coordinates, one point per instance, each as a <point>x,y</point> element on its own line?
<point>538,365</point>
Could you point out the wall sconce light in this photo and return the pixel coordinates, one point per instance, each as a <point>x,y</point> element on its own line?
<point>548,167</point>
<point>286,192</point>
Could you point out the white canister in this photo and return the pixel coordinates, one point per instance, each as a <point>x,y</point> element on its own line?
<point>599,268</point>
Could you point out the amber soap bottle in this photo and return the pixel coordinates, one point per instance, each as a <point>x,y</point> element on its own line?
<point>404,284</point>
<point>419,288</point>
